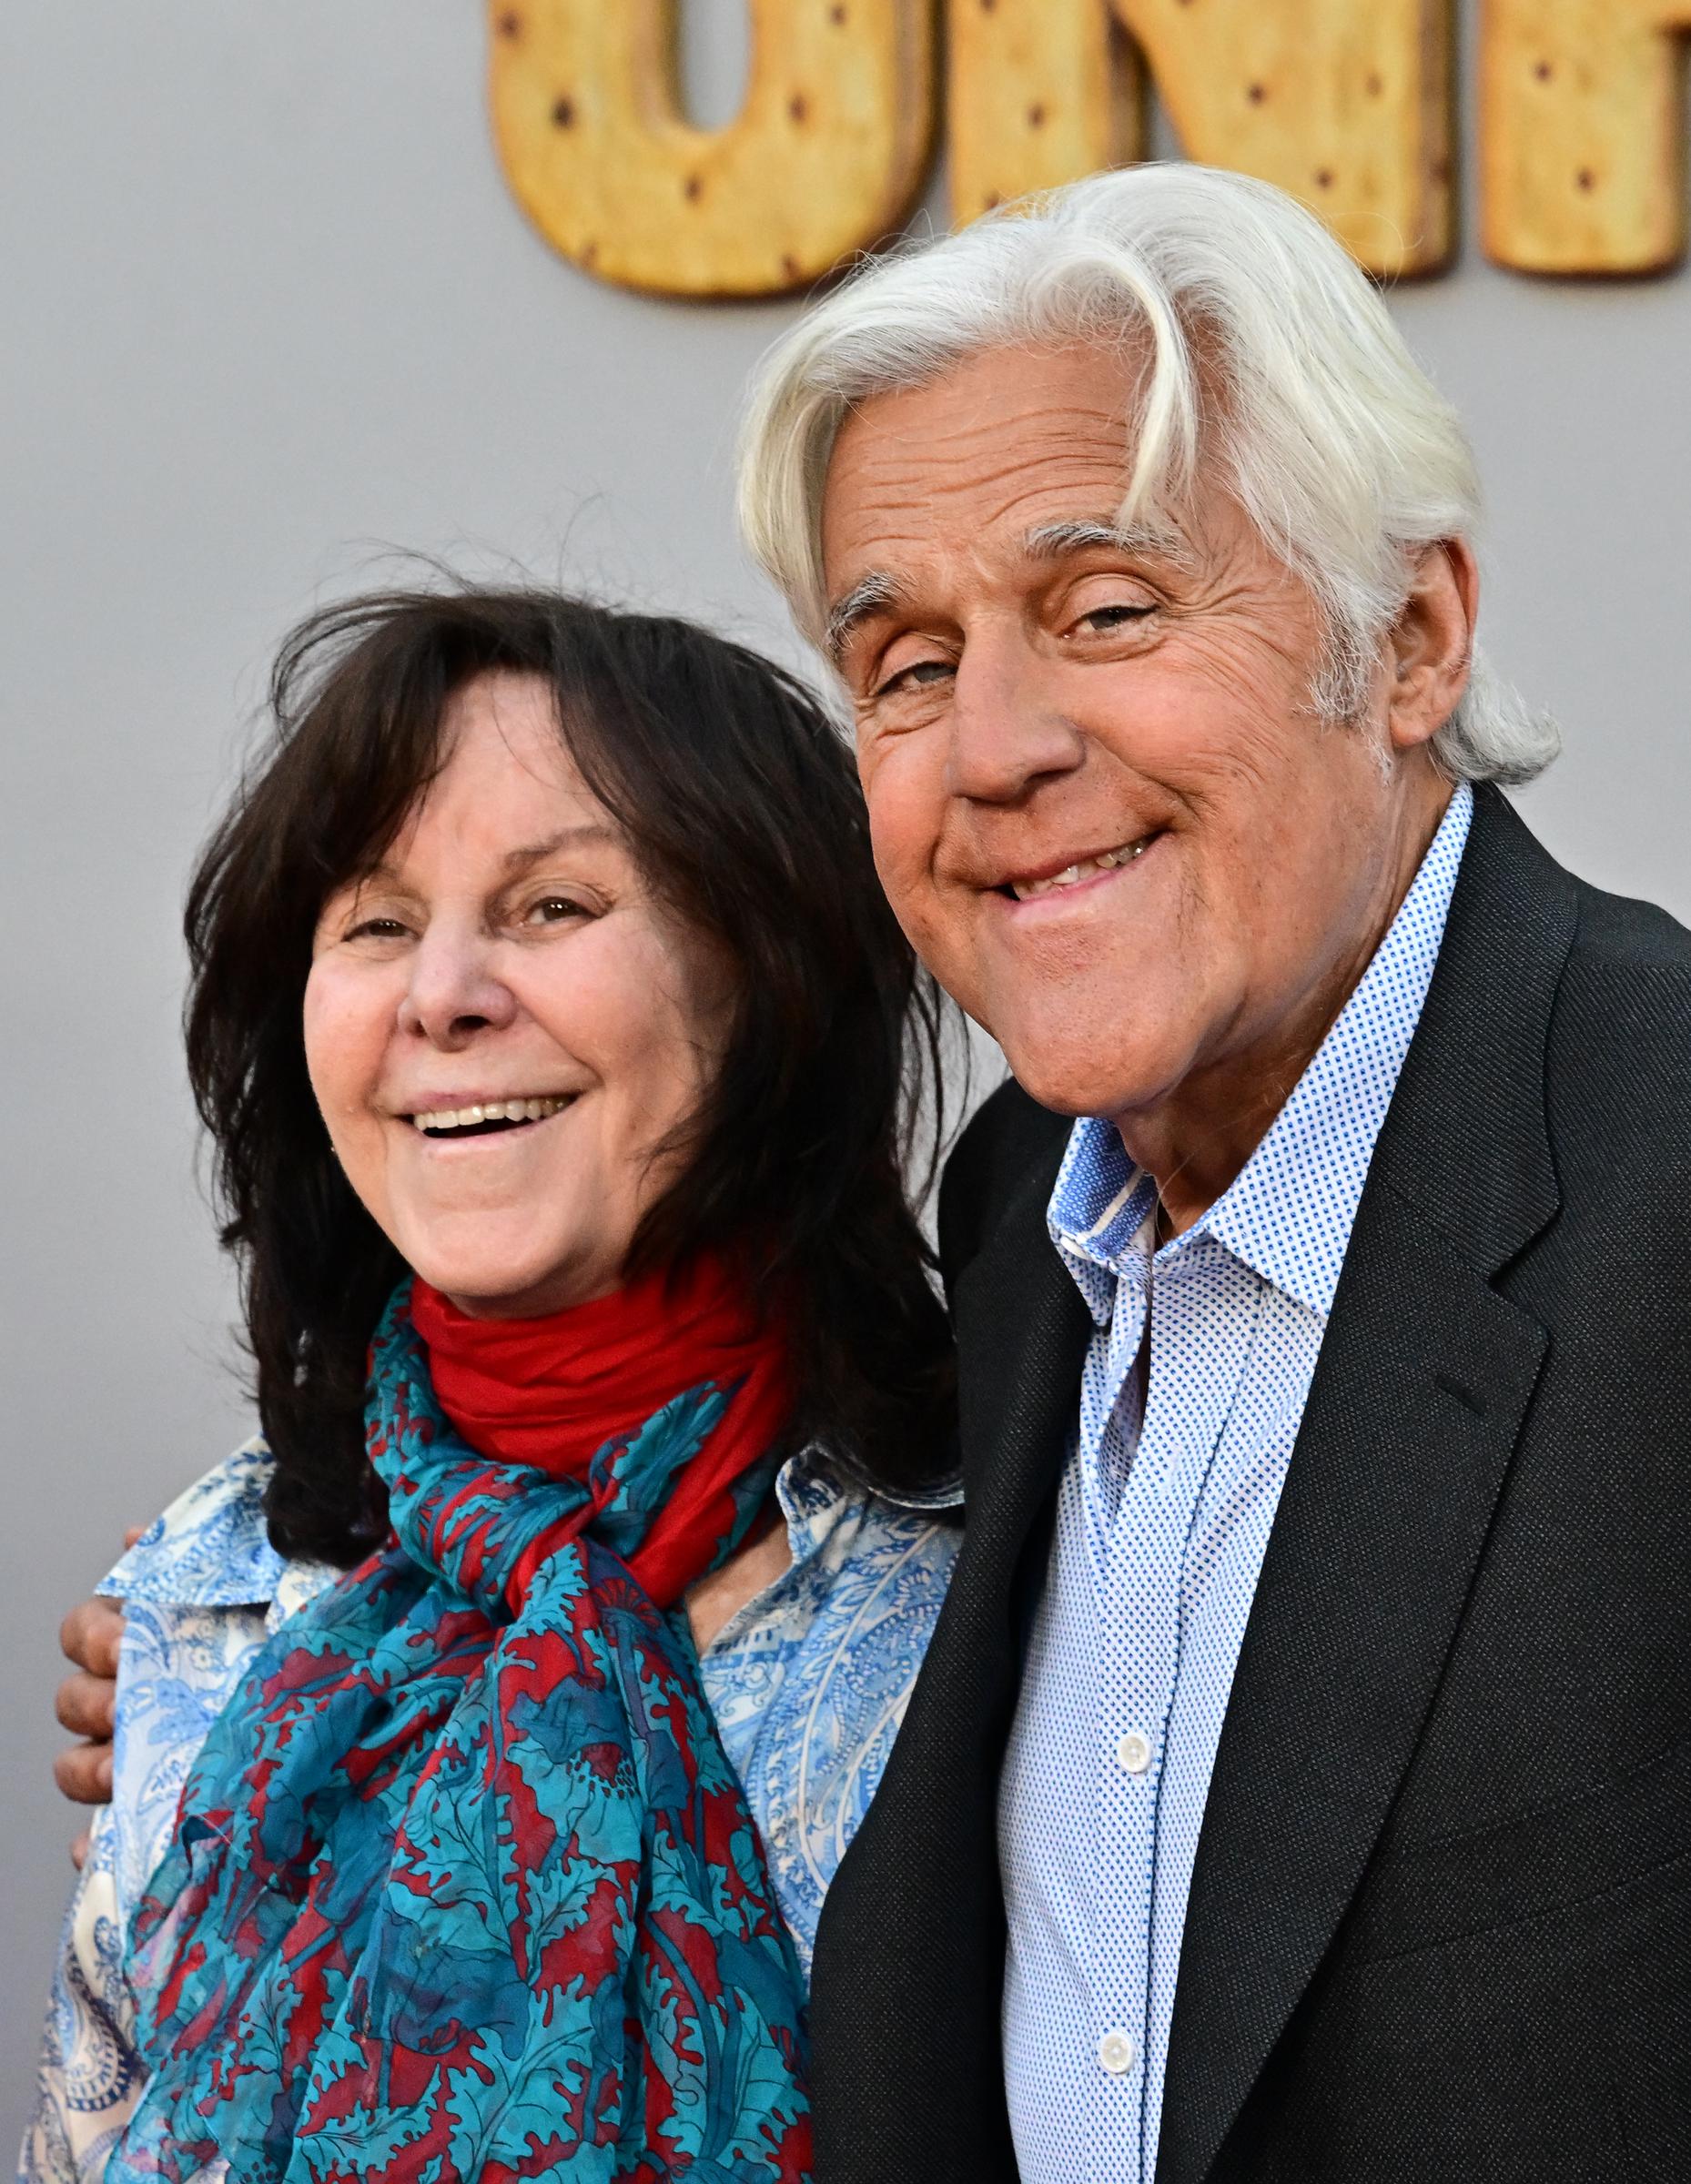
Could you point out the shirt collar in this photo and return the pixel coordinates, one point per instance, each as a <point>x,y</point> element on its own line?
<point>211,1548</point>
<point>1099,1206</point>
<point>1288,1214</point>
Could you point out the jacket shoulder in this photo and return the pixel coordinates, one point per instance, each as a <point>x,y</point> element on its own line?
<point>1625,934</point>
<point>1621,1028</point>
<point>1617,1080</point>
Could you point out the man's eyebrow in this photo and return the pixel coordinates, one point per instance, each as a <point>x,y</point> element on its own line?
<point>1052,542</point>
<point>867,596</point>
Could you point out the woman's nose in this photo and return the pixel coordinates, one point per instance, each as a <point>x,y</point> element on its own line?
<point>455,990</point>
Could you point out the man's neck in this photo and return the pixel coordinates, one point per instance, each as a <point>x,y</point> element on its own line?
<point>1197,1143</point>
<point>1196,1150</point>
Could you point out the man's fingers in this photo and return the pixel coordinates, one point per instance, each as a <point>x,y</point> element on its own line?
<point>131,1535</point>
<point>90,1635</point>
<point>84,1774</point>
<point>84,1706</point>
<point>80,1848</point>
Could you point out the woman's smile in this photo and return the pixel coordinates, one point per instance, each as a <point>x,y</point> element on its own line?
<point>478,1119</point>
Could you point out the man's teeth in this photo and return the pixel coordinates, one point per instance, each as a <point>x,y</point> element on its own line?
<point>1088,869</point>
<point>495,1110</point>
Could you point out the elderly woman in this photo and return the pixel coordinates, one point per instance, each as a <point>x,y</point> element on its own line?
<point>555,1042</point>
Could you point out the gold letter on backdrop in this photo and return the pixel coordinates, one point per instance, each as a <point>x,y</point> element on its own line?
<point>1344,103</point>
<point>823,159</point>
<point>1040,93</point>
<point>1582,125</point>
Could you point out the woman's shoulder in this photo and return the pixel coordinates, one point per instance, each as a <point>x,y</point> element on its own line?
<point>817,1484</point>
<point>201,1589</point>
<point>809,1682</point>
<point>870,1548</point>
<point>864,1555</point>
<point>867,1574</point>
<point>211,1547</point>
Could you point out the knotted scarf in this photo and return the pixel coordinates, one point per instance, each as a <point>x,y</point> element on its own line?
<point>463,1885</point>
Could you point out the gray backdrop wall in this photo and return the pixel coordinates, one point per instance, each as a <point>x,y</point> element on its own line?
<point>268,310</point>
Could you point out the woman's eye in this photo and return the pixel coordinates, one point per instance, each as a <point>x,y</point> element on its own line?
<point>552,909</point>
<point>377,928</point>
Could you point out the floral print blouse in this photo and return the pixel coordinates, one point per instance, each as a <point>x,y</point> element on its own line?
<point>808,1682</point>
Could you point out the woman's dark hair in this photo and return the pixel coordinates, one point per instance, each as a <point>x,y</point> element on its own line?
<point>741,805</point>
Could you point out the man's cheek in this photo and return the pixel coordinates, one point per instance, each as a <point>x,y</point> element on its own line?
<point>902,856</point>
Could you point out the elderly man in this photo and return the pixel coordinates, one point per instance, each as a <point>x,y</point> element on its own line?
<point>1299,1785</point>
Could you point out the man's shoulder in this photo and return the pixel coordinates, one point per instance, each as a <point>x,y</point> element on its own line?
<point>1613,977</point>
<point>1626,936</point>
<point>1618,1062</point>
<point>1007,1157</point>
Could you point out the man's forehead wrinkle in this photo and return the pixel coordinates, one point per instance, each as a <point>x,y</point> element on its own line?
<point>1039,434</point>
<point>1022,485</point>
<point>909,554</point>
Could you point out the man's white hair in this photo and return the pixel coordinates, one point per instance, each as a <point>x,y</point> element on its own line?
<point>1267,349</point>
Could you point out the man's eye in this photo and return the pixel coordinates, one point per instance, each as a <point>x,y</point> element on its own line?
<point>918,676</point>
<point>1115,616</point>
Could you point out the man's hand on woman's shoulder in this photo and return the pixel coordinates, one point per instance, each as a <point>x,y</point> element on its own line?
<point>84,1702</point>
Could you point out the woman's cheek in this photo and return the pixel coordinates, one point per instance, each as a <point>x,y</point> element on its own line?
<point>343,1050</point>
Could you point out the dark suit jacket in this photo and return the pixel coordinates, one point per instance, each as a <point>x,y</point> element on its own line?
<point>1440,1924</point>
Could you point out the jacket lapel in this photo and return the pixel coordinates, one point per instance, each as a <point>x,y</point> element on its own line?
<point>1424,1377</point>
<point>911,1937</point>
<point>1022,1330</point>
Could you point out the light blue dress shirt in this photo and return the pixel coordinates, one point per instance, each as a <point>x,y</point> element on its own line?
<point>1192,1393</point>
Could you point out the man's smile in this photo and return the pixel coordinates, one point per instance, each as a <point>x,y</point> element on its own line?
<point>1029,886</point>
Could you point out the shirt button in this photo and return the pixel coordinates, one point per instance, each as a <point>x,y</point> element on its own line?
<point>1115,2051</point>
<point>1133,1752</point>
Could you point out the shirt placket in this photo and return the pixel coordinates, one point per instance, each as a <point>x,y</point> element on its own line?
<point>1132,1706</point>
<point>1202,1339</point>
<point>1142,1563</point>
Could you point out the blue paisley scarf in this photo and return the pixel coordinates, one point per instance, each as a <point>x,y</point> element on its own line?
<point>463,1885</point>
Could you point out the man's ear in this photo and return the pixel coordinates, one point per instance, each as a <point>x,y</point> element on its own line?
<point>1432,643</point>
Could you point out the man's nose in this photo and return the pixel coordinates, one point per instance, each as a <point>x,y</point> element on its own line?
<point>1008,733</point>
<point>455,990</point>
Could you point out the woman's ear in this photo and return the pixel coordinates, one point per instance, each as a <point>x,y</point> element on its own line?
<point>1432,642</point>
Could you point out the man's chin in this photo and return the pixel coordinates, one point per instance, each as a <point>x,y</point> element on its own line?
<point>1076,1086</point>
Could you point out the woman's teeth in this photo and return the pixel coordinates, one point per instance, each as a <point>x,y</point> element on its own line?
<point>1088,869</point>
<point>493,1110</point>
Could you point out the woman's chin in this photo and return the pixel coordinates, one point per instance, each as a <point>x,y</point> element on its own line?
<point>492,1283</point>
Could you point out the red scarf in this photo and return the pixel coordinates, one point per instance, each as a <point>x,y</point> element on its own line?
<point>548,1393</point>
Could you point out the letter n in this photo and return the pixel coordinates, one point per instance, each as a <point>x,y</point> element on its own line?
<point>1344,103</point>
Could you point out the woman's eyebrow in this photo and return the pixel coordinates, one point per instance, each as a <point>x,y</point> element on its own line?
<point>566,837</point>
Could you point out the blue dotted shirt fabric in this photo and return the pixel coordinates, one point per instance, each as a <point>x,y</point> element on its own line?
<point>1191,1397</point>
